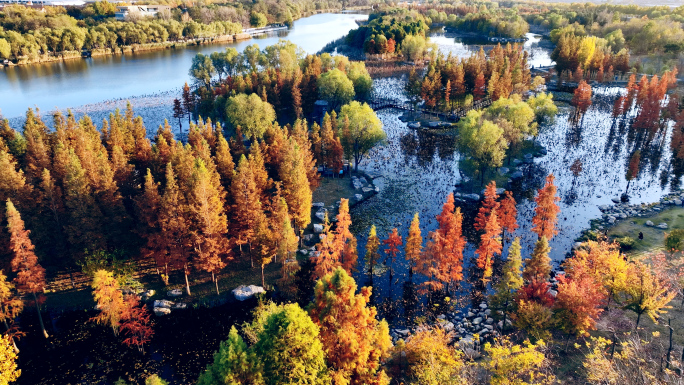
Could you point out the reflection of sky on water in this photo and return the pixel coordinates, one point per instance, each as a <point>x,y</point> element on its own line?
<point>82,81</point>
<point>463,47</point>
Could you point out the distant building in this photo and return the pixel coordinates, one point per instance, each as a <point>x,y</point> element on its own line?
<point>140,11</point>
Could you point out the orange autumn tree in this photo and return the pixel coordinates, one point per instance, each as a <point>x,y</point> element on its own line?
<point>581,98</point>
<point>507,215</point>
<point>137,326</point>
<point>354,340</point>
<point>414,244</point>
<point>578,304</point>
<point>109,299</point>
<point>156,245</point>
<point>209,238</point>
<point>489,204</point>
<point>392,242</point>
<point>490,245</point>
<point>345,241</point>
<point>604,262</point>
<point>547,210</point>
<point>338,248</point>
<point>174,224</point>
<point>442,260</point>
<point>30,274</point>
<point>246,204</point>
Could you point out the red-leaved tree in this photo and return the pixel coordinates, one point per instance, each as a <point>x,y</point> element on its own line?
<point>546,212</point>
<point>137,326</point>
<point>30,274</point>
<point>490,245</point>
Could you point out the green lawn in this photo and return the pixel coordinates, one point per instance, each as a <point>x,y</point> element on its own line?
<point>653,237</point>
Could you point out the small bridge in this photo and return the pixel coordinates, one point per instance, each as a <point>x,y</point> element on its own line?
<point>454,115</point>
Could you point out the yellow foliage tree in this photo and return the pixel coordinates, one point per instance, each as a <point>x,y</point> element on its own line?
<point>432,360</point>
<point>646,293</point>
<point>109,299</point>
<point>511,364</point>
<point>8,362</point>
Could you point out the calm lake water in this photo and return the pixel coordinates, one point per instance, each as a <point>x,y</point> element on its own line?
<point>463,47</point>
<point>86,81</point>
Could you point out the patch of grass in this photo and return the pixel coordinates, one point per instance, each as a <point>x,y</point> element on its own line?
<point>654,238</point>
<point>202,288</point>
<point>332,189</point>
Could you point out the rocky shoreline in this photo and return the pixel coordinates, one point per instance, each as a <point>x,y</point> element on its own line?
<point>612,214</point>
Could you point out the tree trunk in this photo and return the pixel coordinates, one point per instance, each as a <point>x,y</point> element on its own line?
<point>505,312</point>
<point>40,317</point>
<point>638,319</point>
<point>187,283</point>
<point>262,276</point>
<point>251,260</point>
<point>213,278</point>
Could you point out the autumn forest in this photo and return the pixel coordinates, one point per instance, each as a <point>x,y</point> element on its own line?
<point>413,203</point>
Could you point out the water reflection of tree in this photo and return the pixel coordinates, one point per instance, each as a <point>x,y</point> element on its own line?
<point>408,144</point>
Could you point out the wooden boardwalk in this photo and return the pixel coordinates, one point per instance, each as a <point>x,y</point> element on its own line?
<point>454,116</point>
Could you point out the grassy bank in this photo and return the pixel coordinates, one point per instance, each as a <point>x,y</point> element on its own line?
<point>653,237</point>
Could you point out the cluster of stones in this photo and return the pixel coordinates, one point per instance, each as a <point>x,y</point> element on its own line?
<point>164,306</point>
<point>619,210</point>
<point>364,186</point>
<point>462,326</point>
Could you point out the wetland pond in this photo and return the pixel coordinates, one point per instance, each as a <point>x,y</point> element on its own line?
<point>416,170</point>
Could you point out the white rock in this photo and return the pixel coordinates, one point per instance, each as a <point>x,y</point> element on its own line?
<point>553,293</point>
<point>180,305</point>
<point>243,292</point>
<point>163,303</point>
<point>304,252</point>
<point>662,226</point>
<point>477,321</point>
<point>148,294</point>
<point>174,293</point>
<point>448,326</point>
<point>318,204</point>
<point>318,228</point>
<point>483,305</point>
<point>160,311</point>
<point>320,215</point>
<point>358,197</point>
<point>649,223</point>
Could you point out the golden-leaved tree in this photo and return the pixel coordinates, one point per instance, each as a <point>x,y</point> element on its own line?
<point>354,340</point>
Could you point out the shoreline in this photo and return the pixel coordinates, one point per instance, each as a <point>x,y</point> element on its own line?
<point>148,47</point>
